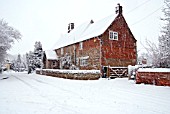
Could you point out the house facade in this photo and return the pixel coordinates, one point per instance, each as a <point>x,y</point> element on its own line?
<point>92,45</point>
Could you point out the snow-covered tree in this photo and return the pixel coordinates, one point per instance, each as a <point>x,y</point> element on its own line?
<point>19,58</point>
<point>7,36</point>
<point>38,54</point>
<point>153,54</point>
<point>164,39</point>
<point>18,64</point>
<point>34,59</point>
<point>30,59</point>
<point>37,46</point>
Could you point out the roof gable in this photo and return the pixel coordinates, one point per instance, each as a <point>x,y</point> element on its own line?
<point>85,31</point>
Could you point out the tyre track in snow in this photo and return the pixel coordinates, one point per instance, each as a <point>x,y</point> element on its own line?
<point>52,102</point>
<point>146,97</point>
<point>41,82</point>
<point>29,85</point>
<point>143,93</point>
<point>52,85</point>
<point>154,100</point>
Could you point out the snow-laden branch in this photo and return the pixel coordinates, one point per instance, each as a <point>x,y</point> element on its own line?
<point>7,36</point>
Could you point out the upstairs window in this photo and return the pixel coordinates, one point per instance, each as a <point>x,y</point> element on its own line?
<point>113,35</point>
<point>62,51</point>
<point>81,45</point>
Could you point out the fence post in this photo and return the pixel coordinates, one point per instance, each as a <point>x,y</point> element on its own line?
<point>108,71</point>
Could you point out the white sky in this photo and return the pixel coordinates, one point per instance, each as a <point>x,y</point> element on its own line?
<point>46,20</point>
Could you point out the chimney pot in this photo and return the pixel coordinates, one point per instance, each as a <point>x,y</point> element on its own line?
<point>119,9</point>
<point>70,27</point>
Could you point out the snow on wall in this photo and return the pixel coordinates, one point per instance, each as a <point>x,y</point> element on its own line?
<point>72,71</point>
<point>71,74</point>
<point>155,76</point>
<point>154,70</point>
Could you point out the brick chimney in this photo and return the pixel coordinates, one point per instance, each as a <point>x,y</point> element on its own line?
<point>70,27</point>
<point>119,9</point>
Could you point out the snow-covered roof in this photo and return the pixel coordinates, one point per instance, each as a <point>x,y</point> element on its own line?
<point>85,31</point>
<point>51,55</point>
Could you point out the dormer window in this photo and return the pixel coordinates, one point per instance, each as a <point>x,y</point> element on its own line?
<point>113,35</point>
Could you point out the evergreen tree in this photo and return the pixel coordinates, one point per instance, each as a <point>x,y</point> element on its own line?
<point>164,39</point>
<point>34,59</point>
<point>37,54</point>
<point>18,64</point>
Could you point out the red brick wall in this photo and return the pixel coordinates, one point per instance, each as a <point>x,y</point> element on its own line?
<point>155,78</point>
<point>91,48</point>
<point>121,52</point>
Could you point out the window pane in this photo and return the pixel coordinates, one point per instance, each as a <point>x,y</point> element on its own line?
<point>113,35</point>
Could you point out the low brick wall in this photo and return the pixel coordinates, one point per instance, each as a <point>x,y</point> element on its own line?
<point>160,78</point>
<point>69,74</point>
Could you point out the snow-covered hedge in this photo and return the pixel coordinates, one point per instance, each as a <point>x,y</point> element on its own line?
<point>71,74</point>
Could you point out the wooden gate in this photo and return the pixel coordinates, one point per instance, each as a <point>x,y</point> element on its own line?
<point>115,72</point>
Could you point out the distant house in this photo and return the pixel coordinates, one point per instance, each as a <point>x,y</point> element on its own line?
<point>50,60</point>
<point>107,42</point>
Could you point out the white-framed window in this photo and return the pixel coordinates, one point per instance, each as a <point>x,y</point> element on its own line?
<point>84,61</point>
<point>62,51</point>
<point>81,45</point>
<point>77,61</point>
<point>113,35</point>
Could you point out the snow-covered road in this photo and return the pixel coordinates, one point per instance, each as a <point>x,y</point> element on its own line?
<point>21,93</point>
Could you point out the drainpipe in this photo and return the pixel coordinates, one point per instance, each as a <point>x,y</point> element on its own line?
<point>75,55</point>
<point>100,53</point>
<point>42,62</point>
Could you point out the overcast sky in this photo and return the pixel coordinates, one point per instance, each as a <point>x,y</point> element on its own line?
<point>46,20</point>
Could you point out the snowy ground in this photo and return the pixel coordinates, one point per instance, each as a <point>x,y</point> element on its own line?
<point>35,94</point>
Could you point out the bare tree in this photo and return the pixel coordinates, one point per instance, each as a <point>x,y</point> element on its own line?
<point>164,39</point>
<point>152,52</point>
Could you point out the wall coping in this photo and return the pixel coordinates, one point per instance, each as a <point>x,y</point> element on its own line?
<point>154,70</point>
<point>71,71</point>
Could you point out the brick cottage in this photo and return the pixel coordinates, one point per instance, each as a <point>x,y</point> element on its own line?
<point>92,45</point>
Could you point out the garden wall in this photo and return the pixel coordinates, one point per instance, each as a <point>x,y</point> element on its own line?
<point>155,76</point>
<point>71,74</point>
